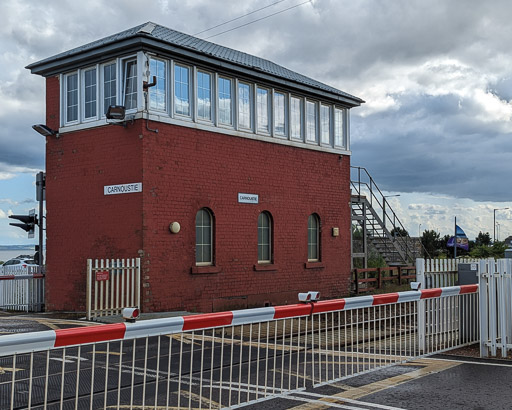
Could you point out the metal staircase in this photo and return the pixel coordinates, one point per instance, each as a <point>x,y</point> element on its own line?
<point>378,223</point>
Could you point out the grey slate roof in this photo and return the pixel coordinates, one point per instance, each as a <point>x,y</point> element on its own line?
<point>201,47</point>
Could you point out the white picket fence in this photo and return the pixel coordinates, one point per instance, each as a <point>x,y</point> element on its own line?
<point>439,273</point>
<point>112,285</point>
<point>22,289</point>
<point>495,294</point>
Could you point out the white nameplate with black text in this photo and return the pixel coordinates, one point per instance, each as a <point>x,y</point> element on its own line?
<point>122,189</point>
<point>248,198</point>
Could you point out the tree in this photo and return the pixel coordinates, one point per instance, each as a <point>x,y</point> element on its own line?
<point>399,232</point>
<point>431,243</point>
<point>483,239</point>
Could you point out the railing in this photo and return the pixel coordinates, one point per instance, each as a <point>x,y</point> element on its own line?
<point>111,286</point>
<point>495,293</point>
<point>438,273</point>
<point>229,359</point>
<point>22,289</point>
<point>364,185</point>
<point>372,279</point>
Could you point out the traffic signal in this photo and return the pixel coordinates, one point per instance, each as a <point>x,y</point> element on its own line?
<point>28,222</point>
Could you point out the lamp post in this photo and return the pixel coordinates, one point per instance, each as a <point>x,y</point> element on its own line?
<point>494,224</point>
<point>384,207</point>
<point>419,231</point>
<point>498,225</point>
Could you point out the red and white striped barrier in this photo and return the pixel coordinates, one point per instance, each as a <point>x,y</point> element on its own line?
<point>38,341</point>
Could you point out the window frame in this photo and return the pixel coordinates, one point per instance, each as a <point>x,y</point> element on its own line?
<point>301,118</point>
<point>284,113</point>
<point>250,128</point>
<point>269,246</point>
<point>65,98</point>
<point>316,139</point>
<point>152,90</point>
<point>103,107</point>
<point>212,96</point>
<point>125,63</point>
<point>330,139</point>
<point>210,262</point>
<point>269,106</point>
<point>312,245</point>
<point>83,102</point>
<point>343,136</point>
<point>220,77</point>
<point>190,90</point>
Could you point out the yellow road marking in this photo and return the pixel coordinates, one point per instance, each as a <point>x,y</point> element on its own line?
<point>354,393</point>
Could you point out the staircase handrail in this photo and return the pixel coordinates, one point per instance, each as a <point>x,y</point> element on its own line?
<point>395,221</point>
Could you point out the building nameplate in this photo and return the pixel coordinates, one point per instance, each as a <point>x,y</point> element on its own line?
<point>248,198</point>
<point>122,189</point>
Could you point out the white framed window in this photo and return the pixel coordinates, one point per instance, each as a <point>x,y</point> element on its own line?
<point>262,106</point>
<point>90,93</point>
<point>225,102</point>
<point>109,77</point>
<point>204,237</point>
<point>182,90</point>
<point>71,97</point>
<point>279,114</point>
<point>130,84</point>
<point>313,238</point>
<point>204,95</point>
<point>311,122</point>
<point>325,124</point>
<point>264,238</point>
<point>244,105</point>
<point>158,93</point>
<point>296,118</point>
<point>339,123</point>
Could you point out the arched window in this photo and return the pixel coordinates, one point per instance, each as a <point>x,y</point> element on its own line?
<point>313,238</point>
<point>204,237</point>
<point>264,238</point>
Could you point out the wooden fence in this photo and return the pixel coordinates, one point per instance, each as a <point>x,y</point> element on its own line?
<point>370,279</point>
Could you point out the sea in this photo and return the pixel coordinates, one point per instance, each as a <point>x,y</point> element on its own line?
<point>6,254</point>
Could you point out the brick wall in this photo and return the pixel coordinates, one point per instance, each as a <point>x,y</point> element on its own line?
<point>182,170</point>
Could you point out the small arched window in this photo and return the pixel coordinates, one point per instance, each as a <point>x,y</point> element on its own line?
<point>264,238</point>
<point>204,237</point>
<point>313,238</point>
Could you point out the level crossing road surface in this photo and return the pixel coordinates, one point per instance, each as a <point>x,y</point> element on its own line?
<point>437,382</point>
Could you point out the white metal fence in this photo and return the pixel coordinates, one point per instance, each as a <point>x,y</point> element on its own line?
<point>22,289</point>
<point>438,273</point>
<point>112,284</point>
<point>495,293</point>
<point>228,359</point>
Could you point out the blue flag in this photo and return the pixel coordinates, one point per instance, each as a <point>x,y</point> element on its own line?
<point>461,239</point>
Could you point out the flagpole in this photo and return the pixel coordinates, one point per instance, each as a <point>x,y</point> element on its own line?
<point>455,240</point>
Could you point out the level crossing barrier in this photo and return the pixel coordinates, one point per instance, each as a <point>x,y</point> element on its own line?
<point>226,359</point>
<point>22,289</point>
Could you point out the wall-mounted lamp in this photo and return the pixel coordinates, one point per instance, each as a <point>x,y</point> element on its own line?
<point>118,114</point>
<point>44,130</point>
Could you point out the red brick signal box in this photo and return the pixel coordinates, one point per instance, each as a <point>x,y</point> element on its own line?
<point>228,177</point>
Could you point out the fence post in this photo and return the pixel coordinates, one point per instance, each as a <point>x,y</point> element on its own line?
<point>399,276</point>
<point>137,287</point>
<point>420,277</point>
<point>379,278</point>
<point>89,288</point>
<point>483,303</point>
<point>356,281</point>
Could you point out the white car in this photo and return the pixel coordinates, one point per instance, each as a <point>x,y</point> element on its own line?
<point>20,264</point>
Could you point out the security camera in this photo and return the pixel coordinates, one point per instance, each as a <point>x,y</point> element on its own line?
<point>131,314</point>
<point>415,285</point>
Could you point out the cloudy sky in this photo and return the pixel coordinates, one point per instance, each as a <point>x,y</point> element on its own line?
<point>436,77</point>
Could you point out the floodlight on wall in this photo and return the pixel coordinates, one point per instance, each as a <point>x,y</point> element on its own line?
<point>117,113</point>
<point>44,130</point>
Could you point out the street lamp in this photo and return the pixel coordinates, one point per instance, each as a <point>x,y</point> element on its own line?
<point>419,231</point>
<point>494,225</point>
<point>498,225</point>
<point>384,207</point>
